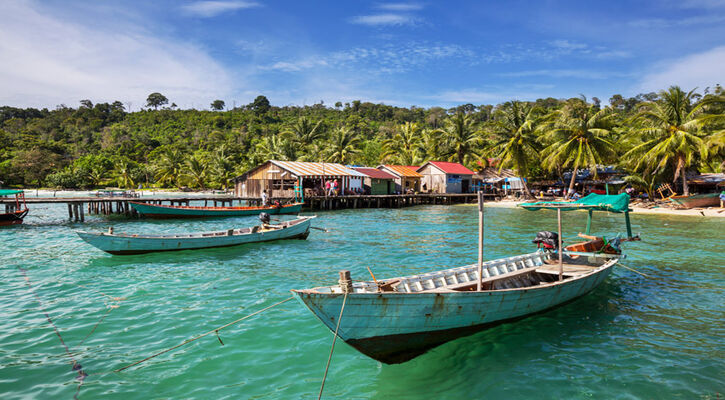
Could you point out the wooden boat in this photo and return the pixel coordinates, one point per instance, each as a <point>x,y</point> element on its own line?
<point>122,244</point>
<point>697,200</point>
<point>395,320</point>
<point>14,212</point>
<point>162,211</point>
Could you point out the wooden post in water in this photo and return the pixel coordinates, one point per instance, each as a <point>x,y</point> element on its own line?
<point>480,240</point>
<point>561,250</point>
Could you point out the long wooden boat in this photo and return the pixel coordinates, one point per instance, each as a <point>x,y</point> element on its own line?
<point>698,200</point>
<point>395,320</point>
<point>123,244</point>
<point>163,211</point>
<point>14,213</point>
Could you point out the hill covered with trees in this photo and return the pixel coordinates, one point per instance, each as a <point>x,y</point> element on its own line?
<point>654,136</point>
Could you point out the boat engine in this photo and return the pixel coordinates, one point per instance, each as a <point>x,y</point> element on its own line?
<point>264,217</point>
<point>547,240</point>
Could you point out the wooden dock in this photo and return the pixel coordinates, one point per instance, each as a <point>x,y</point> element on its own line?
<point>78,207</point>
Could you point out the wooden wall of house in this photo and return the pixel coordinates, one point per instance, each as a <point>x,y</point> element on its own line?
<point>433,181</point>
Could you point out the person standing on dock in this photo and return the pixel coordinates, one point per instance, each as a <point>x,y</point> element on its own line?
<point>265,199</point>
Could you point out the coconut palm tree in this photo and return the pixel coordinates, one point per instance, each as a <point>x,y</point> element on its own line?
<point>170,167</point>
<point>432,145</point>
<point>578,138</point>
<point>222,167</point>
<point>342,145</point>
<point>514,139</point>
<point>195,171</point>
<point>124,173</point>
<point>277,147</point>
<point>305,132</point>
<point>671,131</point>
<point>404,146</point>
<point>461,134</point>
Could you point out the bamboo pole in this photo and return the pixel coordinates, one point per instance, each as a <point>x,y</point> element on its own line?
<point>480,240</point>
<point>561,250</point>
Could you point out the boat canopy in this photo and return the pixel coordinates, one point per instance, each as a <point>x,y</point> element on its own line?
<point>8,192</point>
<point>618,203</point>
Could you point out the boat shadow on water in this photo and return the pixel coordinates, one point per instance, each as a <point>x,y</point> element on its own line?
<point>507,349</point>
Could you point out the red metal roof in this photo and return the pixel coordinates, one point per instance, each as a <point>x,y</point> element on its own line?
<point>374,173</point>
<point>450,167</point>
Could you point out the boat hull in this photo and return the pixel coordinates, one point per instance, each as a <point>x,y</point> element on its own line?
<point>128,245</point>
<point>161,211</point>
<point>396,327</point>
<point>699,200</point>
<point>13,218</point>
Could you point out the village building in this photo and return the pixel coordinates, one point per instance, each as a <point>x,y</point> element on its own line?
<point>445,177</point>
<point>406,178</point>
<point>281,178</point>
<point>377,182</point>
<point>491,179</point>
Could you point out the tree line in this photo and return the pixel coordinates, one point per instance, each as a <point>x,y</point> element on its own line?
<point>655,137</point>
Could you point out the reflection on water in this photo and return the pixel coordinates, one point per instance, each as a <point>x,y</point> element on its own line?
<point>632,337</point>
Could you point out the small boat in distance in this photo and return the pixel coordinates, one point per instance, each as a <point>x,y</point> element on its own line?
<point>395,320</point>
<point>162,211</point>
<point>697,200</point>
<point>14,212</point>
<point>124,244</point>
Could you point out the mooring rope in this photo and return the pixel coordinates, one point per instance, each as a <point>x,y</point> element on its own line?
<point>216,330</point>
<point>334,339</point>
<point>76,366</point>
<point>634,270</point>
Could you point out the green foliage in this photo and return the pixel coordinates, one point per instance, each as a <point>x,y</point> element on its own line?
<point>101,144</point>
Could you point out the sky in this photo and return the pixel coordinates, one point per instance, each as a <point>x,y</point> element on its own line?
<point>428,53</point>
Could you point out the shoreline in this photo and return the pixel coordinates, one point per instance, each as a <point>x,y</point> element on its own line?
<point>694,212</point>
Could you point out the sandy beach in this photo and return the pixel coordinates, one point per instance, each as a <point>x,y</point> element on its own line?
<point>695,212</point>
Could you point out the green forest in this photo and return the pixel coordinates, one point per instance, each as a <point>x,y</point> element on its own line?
<point>655,137</point>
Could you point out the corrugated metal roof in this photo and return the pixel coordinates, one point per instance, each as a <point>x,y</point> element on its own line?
<point>374,173</point>
<point>304,168</point>
<point>402,170</point>
<point>450,167</point>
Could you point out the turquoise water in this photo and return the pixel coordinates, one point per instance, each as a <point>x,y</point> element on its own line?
<point>631,338</point>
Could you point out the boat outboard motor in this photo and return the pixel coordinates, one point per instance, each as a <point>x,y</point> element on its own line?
<point>547,240</point>
<point>264,217</point>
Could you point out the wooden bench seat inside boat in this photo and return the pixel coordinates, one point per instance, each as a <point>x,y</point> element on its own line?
<point>570,270</point>
<point>486,284</point>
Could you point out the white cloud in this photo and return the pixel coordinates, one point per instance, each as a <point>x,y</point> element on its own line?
<point>400,6</point>
<point>48,61</point>
<point>661,23</point>
<point>696,70</point>
<point>558,73</point>
<point>386,19</point>
<point>207,9</point>
<point>609,54</point>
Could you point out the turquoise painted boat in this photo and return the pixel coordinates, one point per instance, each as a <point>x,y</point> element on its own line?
<point>162,211</point>
<point>123,244</point>
<point>395,320</point>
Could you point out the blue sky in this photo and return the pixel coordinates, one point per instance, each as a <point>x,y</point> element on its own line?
<point>401,53</point>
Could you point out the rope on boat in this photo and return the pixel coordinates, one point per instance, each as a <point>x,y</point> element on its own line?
<point>216,330</point>
<point>334,338</point>
<point>76,366</point>
<point>634,270</point>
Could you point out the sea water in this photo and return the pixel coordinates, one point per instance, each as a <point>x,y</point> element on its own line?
<point>660,336</point>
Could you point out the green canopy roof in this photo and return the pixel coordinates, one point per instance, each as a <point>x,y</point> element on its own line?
<point>7,192</point>
<point>618,203</point>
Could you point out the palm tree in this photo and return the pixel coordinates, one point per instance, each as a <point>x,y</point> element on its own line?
<point>222,167</point>
<point>432,145</point>
<point>671,130</point>
<point>124,171</point>
<point>170,167</point>
<point>195,171</point>
<point>96,175</point>
<point>462,135</point>
<point>342,145</point>
<point>277,147</point>
<point>305,132</point>
<point>578,137</point>
<point>404,146</point>
<point>515,144</point>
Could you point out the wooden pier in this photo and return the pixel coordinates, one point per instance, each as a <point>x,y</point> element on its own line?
<point>78,207</point>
